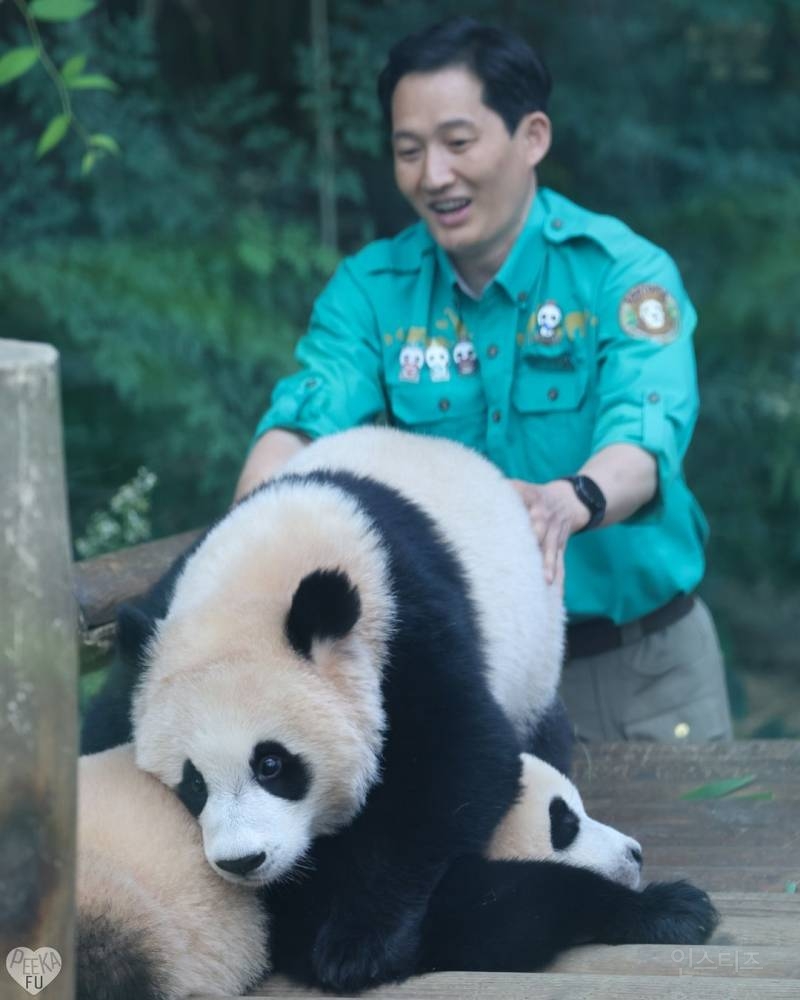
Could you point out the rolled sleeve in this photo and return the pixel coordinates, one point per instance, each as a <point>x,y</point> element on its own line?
<point>647,380</point>
<point>339,383</point>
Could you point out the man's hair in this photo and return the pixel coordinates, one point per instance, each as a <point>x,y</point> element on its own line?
<point>515,80</point>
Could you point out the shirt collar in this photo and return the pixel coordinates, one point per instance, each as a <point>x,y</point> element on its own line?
<point>521,267</point>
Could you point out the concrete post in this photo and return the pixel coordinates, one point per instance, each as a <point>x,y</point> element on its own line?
<point>38,680</point>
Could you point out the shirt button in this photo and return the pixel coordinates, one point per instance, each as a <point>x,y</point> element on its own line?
<point>653,397</point>
<point>497,416</point>
<point>492,351</point>
<point>310,383</point>
<point>557,224</point>
<point>552,393</point>
<point>522,298</point>
<point>444,404</point>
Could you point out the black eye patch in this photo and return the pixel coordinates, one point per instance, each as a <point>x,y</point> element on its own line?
<point>564,824</point>
<point>192,790</point>
<point>279,772</point>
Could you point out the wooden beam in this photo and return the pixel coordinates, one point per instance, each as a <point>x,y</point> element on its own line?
<point>38,669</point>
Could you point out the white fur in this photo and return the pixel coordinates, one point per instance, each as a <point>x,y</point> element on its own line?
<point>141,867</point>
<point>224,677</point>
<point>524,834</point>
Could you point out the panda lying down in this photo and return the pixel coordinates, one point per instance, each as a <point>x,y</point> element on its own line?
<point>156,923</point>
<point>340,677</point>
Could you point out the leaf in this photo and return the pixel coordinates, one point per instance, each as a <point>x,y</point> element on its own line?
<point>92,81</point>
<point>790,887</point>
<point>60,10</point>
<point>53,134</point>
<point>73,67</point>
<point>718,789</point>
<point>88,162</point>
<point>16,62</point>
<point>106,142</point>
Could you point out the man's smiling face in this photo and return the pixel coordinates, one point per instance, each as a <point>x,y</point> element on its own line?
<point>457,165</point>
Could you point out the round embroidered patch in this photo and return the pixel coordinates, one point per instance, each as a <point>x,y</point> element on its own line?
<point>649,312</point>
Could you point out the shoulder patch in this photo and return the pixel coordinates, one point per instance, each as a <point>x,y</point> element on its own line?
<point>649,312</point>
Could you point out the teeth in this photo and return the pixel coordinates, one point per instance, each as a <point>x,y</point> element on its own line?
<point>451,205</point>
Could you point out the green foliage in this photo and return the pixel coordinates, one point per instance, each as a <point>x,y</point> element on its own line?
<point>125,522</point>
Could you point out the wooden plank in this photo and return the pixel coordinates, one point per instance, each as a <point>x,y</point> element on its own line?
<point>754,878</point>
<point>561,986</point>
<point>756,904</point>
<point>38,670</point>
<point>632,765</point>
<point>668,960</point>
<point>102,584</point>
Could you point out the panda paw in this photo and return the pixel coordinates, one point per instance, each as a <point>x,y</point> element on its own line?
<point>347,957</point>
<point>674,913</point>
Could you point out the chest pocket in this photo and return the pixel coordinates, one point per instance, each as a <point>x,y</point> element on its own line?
<point>454,409</point>
<point>550,395</point>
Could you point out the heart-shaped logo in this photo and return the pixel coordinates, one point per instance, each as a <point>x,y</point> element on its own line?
<point>33,970</point>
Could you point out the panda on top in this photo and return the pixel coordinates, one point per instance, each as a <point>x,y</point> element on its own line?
<point>337,681</point>
<point>156,923</point>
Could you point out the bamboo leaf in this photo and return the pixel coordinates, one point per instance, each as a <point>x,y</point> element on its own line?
<point>106,142</point>
<point>718,789</point>
<point>73,67</point>
<point>53,134</point>
<point>16,62</point>
<point>790,887</point>
<point>60,10</point>
<point>91,81</point>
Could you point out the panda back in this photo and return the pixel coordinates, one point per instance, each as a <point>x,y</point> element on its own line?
<point>475,509</point>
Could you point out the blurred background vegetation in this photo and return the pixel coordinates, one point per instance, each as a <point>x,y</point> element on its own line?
<point>175,277</point>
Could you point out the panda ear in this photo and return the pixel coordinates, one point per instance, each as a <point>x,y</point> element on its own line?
<point>325,605</point>
<point>134,629</point>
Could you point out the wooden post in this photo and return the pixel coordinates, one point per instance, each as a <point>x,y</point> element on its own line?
<point>38,678</point>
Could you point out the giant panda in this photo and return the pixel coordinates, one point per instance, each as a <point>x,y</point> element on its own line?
<point>339,686</point>
<point>349,664</point>
<point>156,923</point>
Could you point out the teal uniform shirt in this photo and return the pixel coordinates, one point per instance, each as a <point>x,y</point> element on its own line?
<point>583,339</point>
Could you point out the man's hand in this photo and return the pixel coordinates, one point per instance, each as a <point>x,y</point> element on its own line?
<point>555,513</point>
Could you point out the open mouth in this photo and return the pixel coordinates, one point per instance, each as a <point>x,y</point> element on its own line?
<point>451,211</point>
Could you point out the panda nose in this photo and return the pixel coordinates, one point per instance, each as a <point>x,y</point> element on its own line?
<point>635,854</point>
<point>241,866</point>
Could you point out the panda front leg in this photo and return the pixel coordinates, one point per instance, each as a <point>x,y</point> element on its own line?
<point>516,916</point>
<point>439,800</point>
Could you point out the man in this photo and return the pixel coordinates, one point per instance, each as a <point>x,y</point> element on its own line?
<point>553,340</point>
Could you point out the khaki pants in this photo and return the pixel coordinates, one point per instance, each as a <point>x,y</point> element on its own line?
<point>668,686</point>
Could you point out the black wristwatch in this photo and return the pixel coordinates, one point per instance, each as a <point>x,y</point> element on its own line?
<point>591,496</point>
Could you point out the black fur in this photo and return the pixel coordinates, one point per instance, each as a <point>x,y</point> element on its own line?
<point>113,964</point>
<point>192,790</point>
<point>564,824</point>
<point>553,738</point>
<point>450,771</point>
<point>515,916</point>
<point>293,778</point>
<point>325,606</point>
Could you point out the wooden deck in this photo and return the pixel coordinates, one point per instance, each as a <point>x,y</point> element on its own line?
<point>743,848</point>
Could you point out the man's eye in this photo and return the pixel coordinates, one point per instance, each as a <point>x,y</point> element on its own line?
<point>458,144</point>
<point>409,153</point>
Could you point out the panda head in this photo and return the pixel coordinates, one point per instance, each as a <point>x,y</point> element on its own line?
<point>261,702</point>
<point>549,823</point>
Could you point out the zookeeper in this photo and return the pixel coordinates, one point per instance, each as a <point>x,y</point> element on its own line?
<point>553,340</point>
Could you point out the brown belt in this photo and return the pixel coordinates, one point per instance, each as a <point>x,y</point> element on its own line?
<point>601,635</point>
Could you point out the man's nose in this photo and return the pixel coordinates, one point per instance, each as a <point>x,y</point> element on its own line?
<point>438,172</point>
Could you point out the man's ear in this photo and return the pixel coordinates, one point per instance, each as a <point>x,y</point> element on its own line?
<point>537,133</point>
